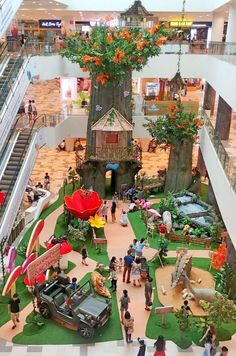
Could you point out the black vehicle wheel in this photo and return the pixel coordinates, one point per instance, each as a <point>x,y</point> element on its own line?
<point>86,331</point>
<point>45,311</point>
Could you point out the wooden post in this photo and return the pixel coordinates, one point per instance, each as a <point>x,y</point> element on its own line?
<point>164,311</point>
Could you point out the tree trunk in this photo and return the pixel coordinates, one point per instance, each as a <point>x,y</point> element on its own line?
<point>104,97</point>
<point>179,174</point>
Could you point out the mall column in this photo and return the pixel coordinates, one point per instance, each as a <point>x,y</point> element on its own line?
<point>217,26</point>
<point>161,93</point>
<point>209,98</point>
<point>231,29</point>
<point>223,119</point>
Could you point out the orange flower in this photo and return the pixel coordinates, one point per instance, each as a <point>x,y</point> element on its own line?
<point>118,57</point>
<point>181,126</point>
<point>102,78</point>
<point>198,122</point>
<point>140,45</point>
<point>85,69</point>
<point>152,30</point>
<point>87,59</point>
<point>97,61</point>
<point>109,38</point>
<point>94,46</point>
<point>146,43</point>
<point>125,35</point>
<point>172,116</point>
<point>160,41</point>
<point>172,107</point>
<point>219,258</point>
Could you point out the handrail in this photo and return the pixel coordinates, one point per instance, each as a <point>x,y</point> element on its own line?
<point>12,131</point>
<point>224,158</point>
<point>18,167</point>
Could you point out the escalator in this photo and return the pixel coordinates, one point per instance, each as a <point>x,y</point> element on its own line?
<point>21,138</point>
<point>8,77</point>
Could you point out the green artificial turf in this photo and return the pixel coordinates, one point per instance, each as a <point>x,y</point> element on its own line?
<point>53,333</point>
<point>140,230</point>
<point>171,330</point>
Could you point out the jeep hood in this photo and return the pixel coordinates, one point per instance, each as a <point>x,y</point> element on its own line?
<point>92,305</point>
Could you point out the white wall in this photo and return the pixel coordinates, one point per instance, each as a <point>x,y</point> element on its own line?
<point>225,196</point>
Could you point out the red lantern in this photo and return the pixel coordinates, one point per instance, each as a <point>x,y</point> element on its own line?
<point>40,279</point>
<point>65,248</point>
<point>83,204</point>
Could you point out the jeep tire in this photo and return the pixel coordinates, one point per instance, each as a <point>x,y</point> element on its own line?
<point>45,311</point>
<point>86,331</point>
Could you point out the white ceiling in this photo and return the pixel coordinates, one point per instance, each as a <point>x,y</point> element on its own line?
<point>38,9</point>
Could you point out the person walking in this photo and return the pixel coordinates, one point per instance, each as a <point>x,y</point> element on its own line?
<point>115,198</point>
<point>46,182</point>
<point>160,346</point>
<point>148,293</point>
<point>14,309</point>
<point>84,254</point>
<point>128,260</point>
<point>142,347</point>
<point>124,219</point>
<point>124,304</point>
<point>140,246</point>
<point>209,337</point>
<point>30,111</point>
<point>34,109</point>
<point>136,272</point>
<point>113,211</point>
<point>129,327</point>
<point>113,277</point>
<point>104,209</point>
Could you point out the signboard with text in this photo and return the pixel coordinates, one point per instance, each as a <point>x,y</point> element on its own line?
<point>50,24</point>
<point>43,262</point>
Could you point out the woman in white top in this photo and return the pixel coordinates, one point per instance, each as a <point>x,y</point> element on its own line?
<point>136,271</point>
<point>124,219</point>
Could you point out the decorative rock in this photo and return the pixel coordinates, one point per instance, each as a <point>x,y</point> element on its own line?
<point>199,280</point>
<point>192,281</point>
<point>163,290</point>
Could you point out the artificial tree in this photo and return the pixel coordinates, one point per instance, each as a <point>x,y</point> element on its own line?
<point>110,55</point>
<point>177,130</point>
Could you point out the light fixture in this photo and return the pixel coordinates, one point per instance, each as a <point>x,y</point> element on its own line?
<point>176,84</point>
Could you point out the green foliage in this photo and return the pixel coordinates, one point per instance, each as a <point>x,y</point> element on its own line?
<point>199,231</point>
<point>163,248</point>
<point>221,310</point>
<point>22,249</point>
<point>175,127</point>
<point>109,53</point>
<point>182,320</point>
<point>216,231</point>
<point>79,233</point>
<point>167,205</point>
<point>82,95</point>
<point>224,279</point>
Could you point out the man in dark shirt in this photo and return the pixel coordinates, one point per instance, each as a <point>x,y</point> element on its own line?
<point>186,308</point>
<point>128,260</point>
<point>14,309</point>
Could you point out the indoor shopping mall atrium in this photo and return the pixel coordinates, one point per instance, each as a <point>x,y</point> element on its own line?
<point>117,178</point>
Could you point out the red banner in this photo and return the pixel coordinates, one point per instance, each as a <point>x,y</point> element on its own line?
<point>43,262</point>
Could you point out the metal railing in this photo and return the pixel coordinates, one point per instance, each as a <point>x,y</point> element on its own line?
<point>225,160</point>
<point>32,132</point>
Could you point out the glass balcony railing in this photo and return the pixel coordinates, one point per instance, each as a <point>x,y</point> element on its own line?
<point>225,160</point>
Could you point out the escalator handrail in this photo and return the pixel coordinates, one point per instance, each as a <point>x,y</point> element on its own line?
<point>17,169</point>
<point>12,131</point>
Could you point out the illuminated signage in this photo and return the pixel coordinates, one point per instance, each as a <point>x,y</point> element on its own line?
<point>50,24</point>
<point>180,23</point>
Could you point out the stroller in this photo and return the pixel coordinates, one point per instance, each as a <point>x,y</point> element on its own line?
<point>144,268</point>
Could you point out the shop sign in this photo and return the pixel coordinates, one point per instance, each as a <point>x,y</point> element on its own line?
<point>51,24</point>
<point>43,262</point>
<point>181,23</point>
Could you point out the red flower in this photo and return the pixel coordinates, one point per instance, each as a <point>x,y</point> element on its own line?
<point>83,203</point>
<point>87,59</point>
<point>172,116</point>
<point>125,35</point>
<point>198,122</point>
<point>102,78</point>
<point>219,258</point>
<point>97,61</point>
<point>172,107</point>
<point>109,38</point>
<point>118,57</point>
<point>140,45</point>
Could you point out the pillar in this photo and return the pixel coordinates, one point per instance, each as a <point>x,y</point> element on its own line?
<point>217,27</point>
<point>161,93</point>
<point>231,29</point>
<point>209,98</point>
<point>223,119</point>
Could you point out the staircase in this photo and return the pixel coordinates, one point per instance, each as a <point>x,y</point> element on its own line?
<point>8,77</point>
<point>13,167</point>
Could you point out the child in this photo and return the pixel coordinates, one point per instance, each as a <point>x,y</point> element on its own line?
<point>84,254</point>
<point>120,265</point>
<point>142,347</point>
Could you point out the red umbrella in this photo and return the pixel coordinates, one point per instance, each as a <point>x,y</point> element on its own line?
<point>40,279</point>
